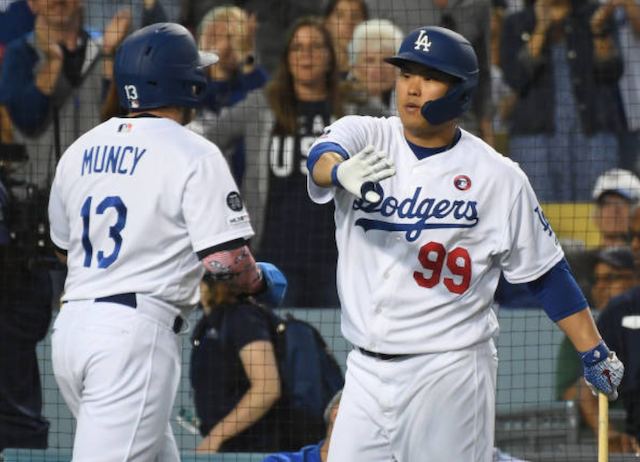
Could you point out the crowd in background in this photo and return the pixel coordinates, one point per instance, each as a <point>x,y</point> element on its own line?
<point>559,93</point>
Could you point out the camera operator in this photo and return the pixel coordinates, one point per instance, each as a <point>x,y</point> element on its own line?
<point>25,310</point>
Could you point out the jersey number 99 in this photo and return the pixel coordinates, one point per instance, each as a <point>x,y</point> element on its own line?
<point>114,231</point>
<point>458,263</point>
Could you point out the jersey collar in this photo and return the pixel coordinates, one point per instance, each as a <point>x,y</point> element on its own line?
<point>422,153</point>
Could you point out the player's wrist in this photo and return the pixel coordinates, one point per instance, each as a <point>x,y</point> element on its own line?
<point>598,353</point>
<point>334,176</point>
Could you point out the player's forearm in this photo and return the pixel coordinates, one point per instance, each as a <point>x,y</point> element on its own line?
<point>322,170</point>
<point>581,330</point>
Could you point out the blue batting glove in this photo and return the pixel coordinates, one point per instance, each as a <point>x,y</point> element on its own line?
<point>603,370</point>
<point>276,284</point>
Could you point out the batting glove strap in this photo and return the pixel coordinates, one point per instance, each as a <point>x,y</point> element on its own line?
<point>334,176</point>
<point>603,370</point>
<point>276,283</point>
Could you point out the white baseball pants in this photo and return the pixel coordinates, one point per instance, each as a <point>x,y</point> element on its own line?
<point>118,370</point>
<point>423,408</point>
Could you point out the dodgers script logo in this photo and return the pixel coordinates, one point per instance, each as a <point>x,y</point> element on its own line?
<point>421,214</point>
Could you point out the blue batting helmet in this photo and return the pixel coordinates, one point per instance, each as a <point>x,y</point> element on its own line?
<point>448,52</point>
<point>160,65</point>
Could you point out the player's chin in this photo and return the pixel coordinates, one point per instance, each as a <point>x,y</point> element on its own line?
<point>414,121</point>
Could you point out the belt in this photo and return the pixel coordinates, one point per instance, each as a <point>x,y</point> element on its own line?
<point>382,356</point>
<point>130,300</point>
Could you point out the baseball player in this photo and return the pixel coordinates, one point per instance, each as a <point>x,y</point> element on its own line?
<point>139,207</point>
<point>427,216</point>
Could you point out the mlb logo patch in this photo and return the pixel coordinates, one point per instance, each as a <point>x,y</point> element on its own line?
<point>125,128</point>
<point>462,182</point>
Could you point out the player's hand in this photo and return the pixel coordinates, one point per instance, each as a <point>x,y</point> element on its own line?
<point>603,370</point>
<point>361,173</point>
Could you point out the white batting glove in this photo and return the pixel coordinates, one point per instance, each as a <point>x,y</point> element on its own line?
<point>361,173</point>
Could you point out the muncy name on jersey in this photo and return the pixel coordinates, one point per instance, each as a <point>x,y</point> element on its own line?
<point>431,213</point>
<point>120,160</point>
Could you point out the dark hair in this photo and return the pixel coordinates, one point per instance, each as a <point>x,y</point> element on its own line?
<point>280,91</point>
<point>331,5</point>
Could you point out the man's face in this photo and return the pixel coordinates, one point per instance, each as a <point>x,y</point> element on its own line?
<point>609,282</point>
<point>415,86</point>
<point>225,37</point>
<point>56,12</point>
<point>634,230</point>
<point>377,75</point>
<point>612,217</point>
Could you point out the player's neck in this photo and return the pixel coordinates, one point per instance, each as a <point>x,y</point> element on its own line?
<point>178,114</point>
<point>443,136</point>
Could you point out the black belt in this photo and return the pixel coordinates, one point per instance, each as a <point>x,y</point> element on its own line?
<point>382,356</point>
<point>131,301</point>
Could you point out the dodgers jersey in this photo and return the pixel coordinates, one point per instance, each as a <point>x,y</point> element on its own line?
<point>417,272</point>
<point>132,202</point>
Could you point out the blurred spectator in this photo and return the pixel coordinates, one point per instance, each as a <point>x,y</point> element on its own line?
<point>341,19</point>
<point>16,19</point>
<point>278,125</point>
<point>619,325</point>
<point>234,375</point>
<point>273,17</point>
<point>634,233</point>
<point>566,117</point>
<point>615,192</point>
<point>372,81</point>
<point>503,99</point>
<point>625,15</point>
<point>614,273</point>
<point>315,452</point>
<point>25,309</point>
<point>52,82</point>
<point>230,33</point>
<point>97,14</point>
<point>467,17</point>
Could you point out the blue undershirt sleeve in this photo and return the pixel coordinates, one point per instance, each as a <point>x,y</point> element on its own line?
<point>316,152</point>
<point>558,292</point>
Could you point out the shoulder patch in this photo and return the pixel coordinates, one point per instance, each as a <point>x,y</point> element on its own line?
<point>234,201</point>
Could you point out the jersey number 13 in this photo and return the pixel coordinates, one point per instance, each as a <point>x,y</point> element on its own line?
<point>114,231</point>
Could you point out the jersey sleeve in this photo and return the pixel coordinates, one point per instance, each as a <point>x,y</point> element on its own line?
<point>350,133</point>
<point>529,247</point>
<point>213,209</point>
<point>58,224</point>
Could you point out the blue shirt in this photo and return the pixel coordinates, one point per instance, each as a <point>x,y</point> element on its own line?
<point>307,454</point>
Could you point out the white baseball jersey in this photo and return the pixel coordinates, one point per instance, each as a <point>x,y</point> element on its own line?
<point>132,202</point>
<point>417,273</point>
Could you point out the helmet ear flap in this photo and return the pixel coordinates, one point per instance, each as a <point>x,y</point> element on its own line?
<point>449,107</point>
